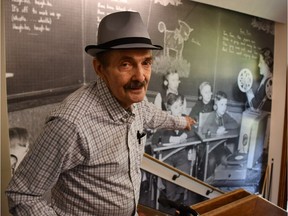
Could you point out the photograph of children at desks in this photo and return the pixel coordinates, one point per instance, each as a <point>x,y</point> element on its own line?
<point>179,159</point>
<point>204,104</point>
<point>170,85</point>
<point>214,130</point>
<point>176,148</point>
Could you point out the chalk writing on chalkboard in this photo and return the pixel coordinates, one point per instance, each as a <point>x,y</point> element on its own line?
<point>174,40</point>
<point>240,44</point>
<point>263,25</point>
<point>104,8</point>
<point>33,17</point>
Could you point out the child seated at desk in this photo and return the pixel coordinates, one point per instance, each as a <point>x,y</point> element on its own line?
<point>205,102</point>
<point>171,82</point>
<point>218,123</point>
<point>178,160</point>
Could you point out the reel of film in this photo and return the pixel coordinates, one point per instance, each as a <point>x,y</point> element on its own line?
<point>245,80</point>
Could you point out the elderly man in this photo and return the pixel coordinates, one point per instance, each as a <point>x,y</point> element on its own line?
<point>90,150</point>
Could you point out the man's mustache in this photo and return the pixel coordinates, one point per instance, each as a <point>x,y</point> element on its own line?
<point>135,84</point>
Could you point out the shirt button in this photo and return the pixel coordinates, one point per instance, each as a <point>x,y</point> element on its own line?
<point>124,118</point>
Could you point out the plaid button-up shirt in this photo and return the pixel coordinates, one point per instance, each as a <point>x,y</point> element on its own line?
<point>88,155</point>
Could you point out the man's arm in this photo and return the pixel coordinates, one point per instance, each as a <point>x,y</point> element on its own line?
<point>190,122</point>
<point>157,118</point>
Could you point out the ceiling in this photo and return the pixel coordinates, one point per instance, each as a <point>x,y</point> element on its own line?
<point>275,10</point>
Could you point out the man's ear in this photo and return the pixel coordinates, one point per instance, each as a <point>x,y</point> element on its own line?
<point>98,67</point>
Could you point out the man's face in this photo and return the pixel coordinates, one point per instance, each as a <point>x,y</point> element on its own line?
<point>176,108</point>
<point>173,82</point>
<point>221,106</point>
<point>127,74</point>
<point>206,94</point>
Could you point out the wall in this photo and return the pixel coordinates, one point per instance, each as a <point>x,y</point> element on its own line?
<point>5,160</point>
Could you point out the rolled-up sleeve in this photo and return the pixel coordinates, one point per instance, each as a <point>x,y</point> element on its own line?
<point>157,118</point>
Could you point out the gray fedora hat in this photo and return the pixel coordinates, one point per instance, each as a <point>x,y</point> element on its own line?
<point>121,30</point>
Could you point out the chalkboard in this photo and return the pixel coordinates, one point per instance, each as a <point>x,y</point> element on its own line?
<point>45,42</point>
<point>240,40</point>
<point>43,45</point>
<point>199,48</point>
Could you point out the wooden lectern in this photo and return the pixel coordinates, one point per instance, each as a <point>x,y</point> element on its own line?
<point>147,211</point>
<point>238,203</point>
<point>234,203</point>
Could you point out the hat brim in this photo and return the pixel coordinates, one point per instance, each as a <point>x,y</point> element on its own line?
<point>93,50</point>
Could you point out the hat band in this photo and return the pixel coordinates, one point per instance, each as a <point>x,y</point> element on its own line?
<point>121,41</point>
